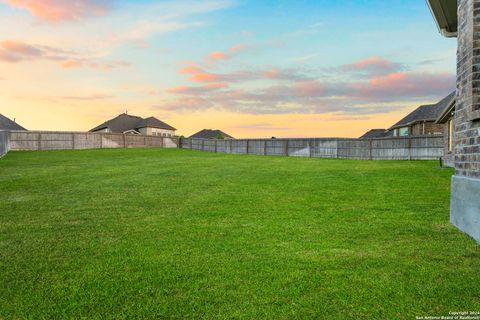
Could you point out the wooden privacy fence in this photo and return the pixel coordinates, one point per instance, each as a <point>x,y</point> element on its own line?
<point>4,143</point>
<point>57,140</point>
<point>398,148</point>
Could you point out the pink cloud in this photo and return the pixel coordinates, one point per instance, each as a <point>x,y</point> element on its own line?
<point>15,51</point>
<point>197,90</point>
<point>402,84</point>
<point>218,55</point>
<point>199,75</point>
<point>85,63</point>
<point>237,48</point>
<point>61,10</point>
<point>374,65</point>
<point>70,64</point>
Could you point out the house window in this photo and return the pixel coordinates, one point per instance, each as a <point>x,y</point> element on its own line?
<point>450,135</point>
<point>402,132</point>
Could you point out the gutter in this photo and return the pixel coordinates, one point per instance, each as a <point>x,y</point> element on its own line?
<point>443,31</point>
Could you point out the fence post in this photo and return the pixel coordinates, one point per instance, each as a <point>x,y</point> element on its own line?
<point>370,149</point>
<point>231,151</point>
<point>286,147</point>
<point>145,141</point>
<point>310,147</point>
<point>264,147</point>
<point>247,147</point>
<point>409,148</point>
<point>39,141</point>
<point>101,140</point>
<point>215,146</point>
<point>73,141</point>
<point>124,141</point>
<point>203,145</point>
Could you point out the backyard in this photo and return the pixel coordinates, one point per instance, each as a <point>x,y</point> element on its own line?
<point>157,233</point>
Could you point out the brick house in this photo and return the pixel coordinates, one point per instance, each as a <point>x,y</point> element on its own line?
<point>462,20</point>
<point>129,124</point>
<point>422,121</point>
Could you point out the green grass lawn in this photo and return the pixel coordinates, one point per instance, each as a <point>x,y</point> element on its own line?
<point>152,233</point>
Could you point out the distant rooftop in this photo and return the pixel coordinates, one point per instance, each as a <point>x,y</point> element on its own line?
<point>7,124</point>
<point>211,134</point>
<point>125,122</point>
<point>376,133</point>
<point>429,112</point>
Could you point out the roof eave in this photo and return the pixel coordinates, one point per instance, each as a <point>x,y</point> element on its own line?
<point>156,127</point>
<point>444,13</point>
<point>411,123</point>
<point>445,115</point>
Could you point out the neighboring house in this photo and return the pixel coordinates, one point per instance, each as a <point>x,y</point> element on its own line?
<point>376,133</point>
<point>422,121</point>
<point>7,124</point>
<point>446,118</point>
<point>128,124</point>
<point>212,134</point>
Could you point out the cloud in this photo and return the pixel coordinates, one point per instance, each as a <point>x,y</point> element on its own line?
<point>197,90</point>
<point>199,75</point>
<point>360,98</point>
<point>12,51</point>
<point>16,51</point>
<point>220,55</point>
<point>97,96</point>
<point>373,65</point>
<point>402,85</point>
<point>61,10</point>
<point>97,65</point>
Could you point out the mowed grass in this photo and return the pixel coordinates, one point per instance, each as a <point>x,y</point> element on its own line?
<point>154,233</point>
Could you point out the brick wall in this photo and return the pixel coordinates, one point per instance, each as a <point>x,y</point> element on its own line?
<point>448,155</point>
<point>467,115</point>
<point>430,127</point>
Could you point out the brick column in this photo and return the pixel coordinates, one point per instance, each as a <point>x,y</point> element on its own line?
<point>465,199</point>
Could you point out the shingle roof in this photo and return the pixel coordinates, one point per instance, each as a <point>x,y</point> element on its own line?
<point>447,112</point>
<point>7,124</point>
<point>376,133</point>
<point>429,112</point>
<point>154,122</point>
<point>126,122</point>
<point>211,134</point>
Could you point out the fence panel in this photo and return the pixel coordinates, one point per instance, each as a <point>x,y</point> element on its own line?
<point>4,143</point>
<point>239,146</point>
<point>299,148</point>
<point>325,148</point>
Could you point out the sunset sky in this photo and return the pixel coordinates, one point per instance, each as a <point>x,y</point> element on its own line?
<point>253,68</point>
